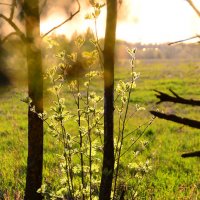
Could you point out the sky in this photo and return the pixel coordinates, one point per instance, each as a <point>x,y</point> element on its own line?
<point>157,21</point>
<point>145,21</point>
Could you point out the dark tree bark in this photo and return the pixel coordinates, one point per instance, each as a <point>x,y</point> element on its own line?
<point>4,78</point>
<point>35,92</point>
<point>30,14</point>
<point>109,47</point>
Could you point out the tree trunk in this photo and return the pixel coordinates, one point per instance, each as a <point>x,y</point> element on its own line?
<point>35,92</point>
<point>4,78</point>
<point>109,46</point>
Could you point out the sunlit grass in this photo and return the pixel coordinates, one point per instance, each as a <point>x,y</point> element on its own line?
<point>172,177</point>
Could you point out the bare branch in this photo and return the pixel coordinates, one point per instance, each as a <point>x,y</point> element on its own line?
<point>180,120</point>
<point>174,93</point>
<point>14,4</point>
<point>179,41</point>
<point>163,97</point>
<point>43,5</point>
<point>14,26</point>
<point>99,49</point>
<point>8,36</point>
<point>97,37</point>
<point>191,154</point>
<point>5,4</point>
<point>68,19</point>
<point>194,7</point>
<point>193,37</point>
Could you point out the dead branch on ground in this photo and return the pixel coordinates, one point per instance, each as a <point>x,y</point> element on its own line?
<point>191,154</point>
<point>188,122</point>
<point>163,97</point>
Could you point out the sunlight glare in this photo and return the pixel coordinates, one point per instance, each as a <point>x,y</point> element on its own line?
<point>152,21</point>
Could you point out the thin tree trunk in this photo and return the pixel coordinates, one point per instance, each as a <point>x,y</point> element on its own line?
<point>109,46</point>
<point>4,78</point>
<point>35,92</point>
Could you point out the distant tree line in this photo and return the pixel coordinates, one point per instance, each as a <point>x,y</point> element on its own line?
<point>15,59</point>
<point>160,51</point>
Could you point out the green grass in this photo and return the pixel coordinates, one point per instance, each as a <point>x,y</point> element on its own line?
<point>172,177</point>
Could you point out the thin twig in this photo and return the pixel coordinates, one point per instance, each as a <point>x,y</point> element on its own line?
<point>179,41</point>
<point>68,19</point>
<point>12,10</point>
<point>14,26</point>
<point>5,4</point>
<point>136,129</point>
<point>97,37</point>
<point>119,130</point>
<point>11,23</point>
<point>81,138</point>
<point>194,7</point>
<point>66,145</point>
<point>99,49</point>
<point>43,5</point>
<point>138,137</point>
<point>7,37</point>
<point>123,128</point>
<point>174,93</point>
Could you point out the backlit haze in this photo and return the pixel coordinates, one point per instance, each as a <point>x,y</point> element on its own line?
<point>145,21</point>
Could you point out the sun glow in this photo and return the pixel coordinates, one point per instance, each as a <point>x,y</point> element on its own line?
<point>152,21</point>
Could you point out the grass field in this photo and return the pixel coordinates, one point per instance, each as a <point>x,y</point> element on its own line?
<point>172,177</point>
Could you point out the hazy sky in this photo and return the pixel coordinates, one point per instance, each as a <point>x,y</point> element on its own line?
<point>158,21</point>
<point>146,21</point>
